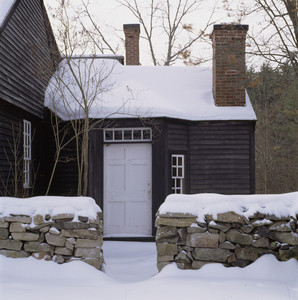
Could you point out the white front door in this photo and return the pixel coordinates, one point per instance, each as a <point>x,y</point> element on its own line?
<point>127,189</point>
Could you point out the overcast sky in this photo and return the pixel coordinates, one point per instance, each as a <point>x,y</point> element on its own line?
<point>109,14</point>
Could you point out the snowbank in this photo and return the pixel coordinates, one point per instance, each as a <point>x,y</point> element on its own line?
<point>53,205</point>
<point>200,205</point>
<point>117,91</point>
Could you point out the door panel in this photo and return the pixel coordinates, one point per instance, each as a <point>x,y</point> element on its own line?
<point>127,188</point>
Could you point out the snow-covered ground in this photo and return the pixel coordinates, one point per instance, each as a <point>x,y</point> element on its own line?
<point>130,273</point>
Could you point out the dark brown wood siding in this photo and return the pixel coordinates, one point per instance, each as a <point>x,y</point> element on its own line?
<point>11,137</point>
<point>221,157</point>
<point>27,51</point>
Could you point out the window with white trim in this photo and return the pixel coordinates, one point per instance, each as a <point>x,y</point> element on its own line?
<point>27,153</point>
<point>127,135</point>
<point>177,165</point>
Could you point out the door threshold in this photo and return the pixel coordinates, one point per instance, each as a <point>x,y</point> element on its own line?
<point>129,237</point>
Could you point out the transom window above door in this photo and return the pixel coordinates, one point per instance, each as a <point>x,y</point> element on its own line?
<point>128,135</point>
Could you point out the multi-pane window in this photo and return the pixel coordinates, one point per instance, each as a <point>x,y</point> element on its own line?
<point>127,135</point>
<point>27,153</point>
<point>177,165</point>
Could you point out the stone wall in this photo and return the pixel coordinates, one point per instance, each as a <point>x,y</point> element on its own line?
<point>59,237</point>
<point>228,238</point>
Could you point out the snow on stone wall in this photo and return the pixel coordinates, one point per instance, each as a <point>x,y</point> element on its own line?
<point>195,236</point>
<point>52,228</point>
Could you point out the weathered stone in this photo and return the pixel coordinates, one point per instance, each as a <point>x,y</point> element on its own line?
<point>63,251</point>
<point>288,254</point>
<point>95,262</point>
<point>176,215</point>
<point>204,240</point>
<point>264,231</point>
<point>165,258</point>
<point>85,243</point>
<point>196,264</point>
<point>274,245</point>
<point>222,237</point>
<point>167,234</point>
<point>290,238</point>
<point>55,240</point>
<point>38,219</point>
<point>182,236</point>
<point>230,217</point>
<point>71,240</point>
<point>14,254</point>
<point>17,227</point>
<point>215,231</point>
<point>246,254</point>
<point>59,259</point>
<point>256,236</point>
<point>37,247</point>
<point>41,238</point>
<point>63,217</point>
<point>261,243</point>
<point>284,247</point>
<point>54,230</point>
<point>4,233</point>
<point>219,226</point>
<point>69,245</point>
<point>178,222</point>
<point>187,248</point>
<point>87,252</point>
<point>247,228</point>
<point>47,217</point>
<point>20,219</point>
<point>74,225</point>
<point>166,249</point>
<point>240,263</point>
<point>231,258</point>
<point>196,229</point>
<point>237,237</point>
<point>227,245</point>
<point>25,236</point>
<point>4,224</point>
<point>182,257</point>
<point>11,245</point>
<point>184,265</point>
<point>43,227</point>
<point>282,226</point>
<point>83,219</point>
<point>257,215</point>
<point>215,255</point>
<point>280,218</point>
<point>162,264</point>
<point>80,233</point>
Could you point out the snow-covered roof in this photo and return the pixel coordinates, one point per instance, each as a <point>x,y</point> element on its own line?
<point>138,91</point>
<point>5,6</point>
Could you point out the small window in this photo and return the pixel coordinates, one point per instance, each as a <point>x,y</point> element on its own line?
<point>177,173</point>
<point>128,135</point>
<point>27,153</point>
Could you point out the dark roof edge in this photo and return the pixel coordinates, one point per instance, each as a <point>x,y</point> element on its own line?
<point>13,8</point>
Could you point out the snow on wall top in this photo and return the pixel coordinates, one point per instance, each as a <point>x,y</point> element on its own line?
<point>79,206</point>
<point>5,6</point>
<point>245,205</point>
<point>137,91</point>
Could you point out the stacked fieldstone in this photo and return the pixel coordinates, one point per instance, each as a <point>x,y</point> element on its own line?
<point>59,237</point>
<point>228,238</point>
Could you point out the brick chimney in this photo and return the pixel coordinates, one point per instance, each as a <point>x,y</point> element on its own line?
<point>228,42</point>
<point>132,38</point>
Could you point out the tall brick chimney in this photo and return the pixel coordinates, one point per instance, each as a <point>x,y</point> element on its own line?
<point>132,38</point>
<point>228,42</point>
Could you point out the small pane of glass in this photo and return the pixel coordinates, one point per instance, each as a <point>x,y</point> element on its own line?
<point>146,134</point>
<point>174,172</point>
<point>180,173</point>
<point>178,183</point>
<point>137,135</point>
<point>127,134</point>
<point>109,135</point>
<point>118,135</point>
<point>174,160</point>
<point>179,161</point>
